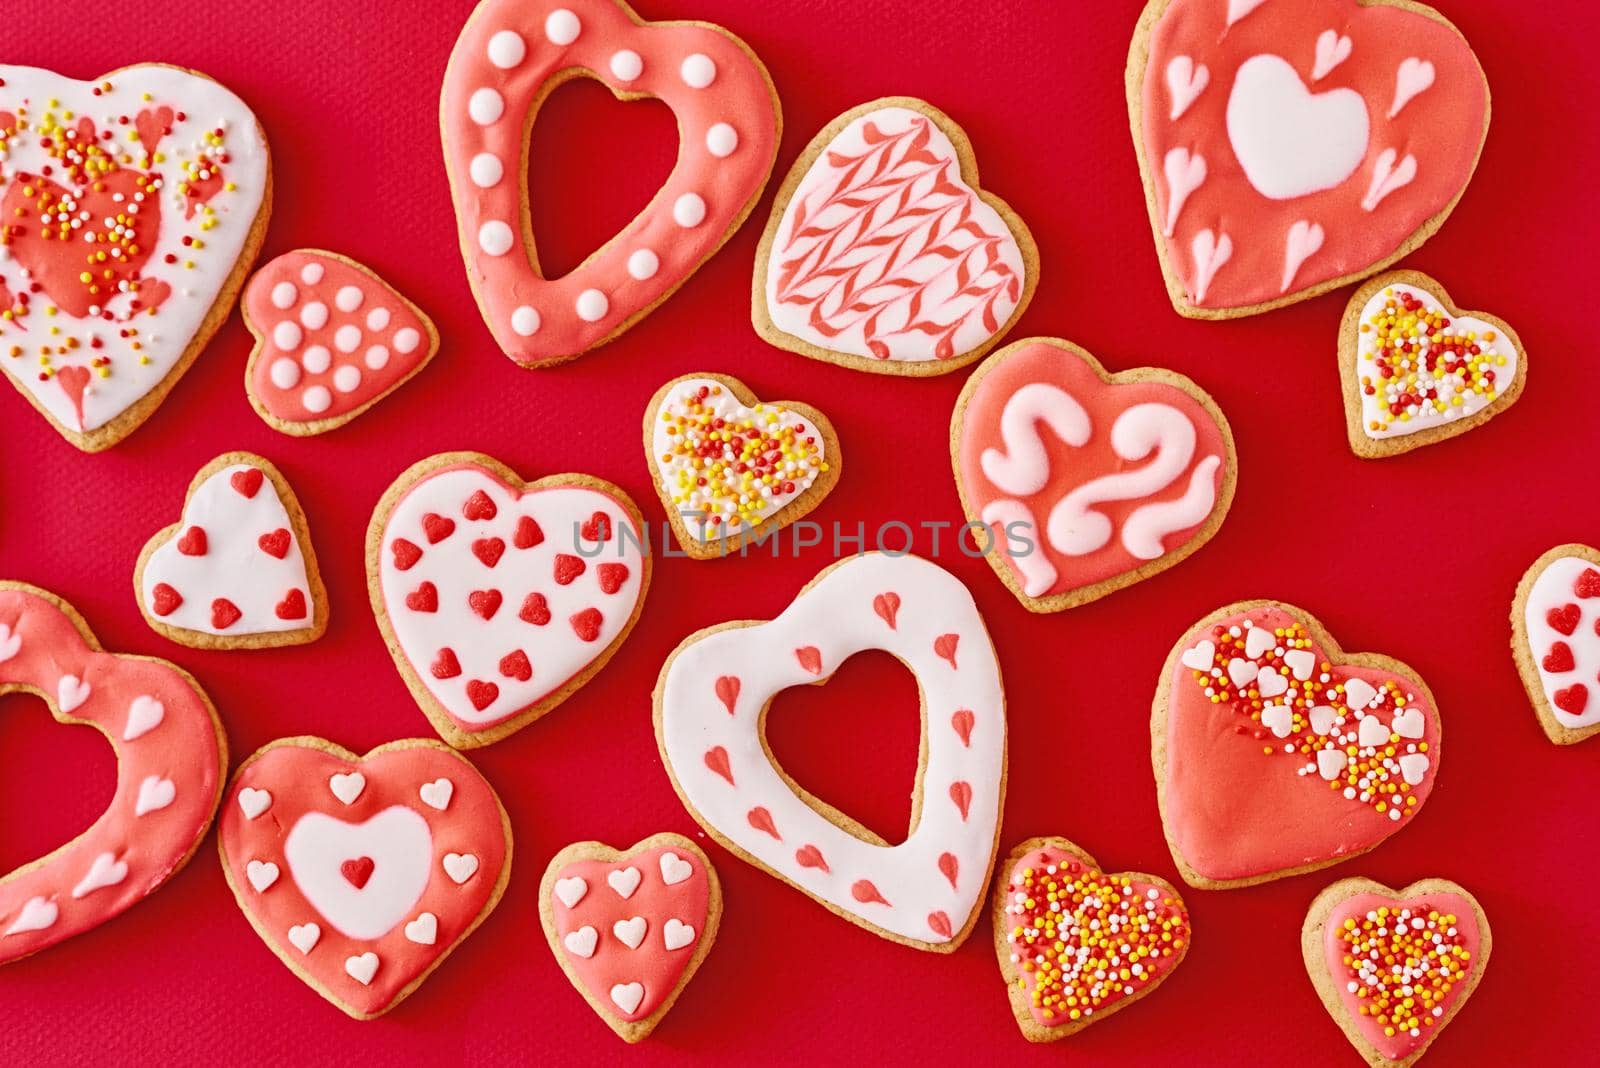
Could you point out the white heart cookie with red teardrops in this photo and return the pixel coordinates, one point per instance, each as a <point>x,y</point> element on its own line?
<point>133,204</point>
<point>924,892</point>
<point>499,598</point>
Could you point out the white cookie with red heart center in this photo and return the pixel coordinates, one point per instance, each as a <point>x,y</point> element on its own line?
<point>499,598</point>
<point>924,892</point>
<point>167,174</point>
<point>238,570</point>
<point>352,887</point>
<point>1555,623</point>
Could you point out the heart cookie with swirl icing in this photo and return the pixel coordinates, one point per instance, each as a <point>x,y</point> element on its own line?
<point>883,253</point>
<point>1277,753</point>
<point>1289,147</point>
<point>1085,481</point>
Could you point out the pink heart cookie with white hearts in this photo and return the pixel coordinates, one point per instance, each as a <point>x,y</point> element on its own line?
<point>167,174</point>
<point>237,571</point>
<point>170,751</point>
<point>332,340</point>
<point>498,598</point>
<point>510,56</point>
<point>1555,626</point>
<point>1087,481</point>
<point>631,927</point>
<point>1289,147</point>
<point>710,708</point>
<point>363,873</point>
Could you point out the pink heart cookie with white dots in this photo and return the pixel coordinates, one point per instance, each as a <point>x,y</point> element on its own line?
<point>332,340</point>
<point>499,598</point>
<point>362,873</point>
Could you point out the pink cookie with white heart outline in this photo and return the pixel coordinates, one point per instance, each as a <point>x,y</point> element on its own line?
<point>710,710</point>
<point>363,873</point>
<point>631,927</point>
<point>1555,637</point>
<point>1289,147</point>
<point>332,340</point>
<point>237,571</point>
<point>499,598</point>
<point>170,750</point>
<point>510,56</point>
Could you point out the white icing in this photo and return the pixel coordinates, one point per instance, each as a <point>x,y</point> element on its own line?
<point>349,298</point>
<point>311,274</point>
<point>592,305</point>
<point>1303,241</point>
<point>287,335</point>
<point>105,871</point>
<point>1037,572</point>
<point>145,714</point>
<point>1291,142</point>
<point>1387,176</point>
<point>643,264</point>
<point>37,914</point>
<point>284,295</point>
<point>1186,80</point>
<point>316,399</point>
<point>1412,77</point>
<point>155,794</point>
<point>1185,172</point>
<point>1238,9</point>
<point>285,373</point>
<point>377,318</point>
<point>314,316</point>
<point>377,357</point>
<point>71,692</point>
<point>316,359</point>
<point>1210,252</point>
<point>1022,467</point>
<point>1555,588</point>
<point>1333,48</point>
<point>398,842</point>
<point>10,643</point>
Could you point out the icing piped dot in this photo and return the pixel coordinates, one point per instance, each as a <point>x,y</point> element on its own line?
<point>314,315</point>
<point>316,399</point>
<point>562,27</point>
<point>643,264</point>
<point>377,357</point>
<point>689,210</point>
<point>377,318</point>
<point>525,321</point>
<point>287,335</point>
<point>722,140</point>
<point>284,294</point>
<point>406,340</point>
<point>348,338</point>
<point>626,65</point>
<point>311,273</point>
<point>507,49</point>
<point>347,379</point>
<point>495,238</point>
<point>316,359</point>
<point>592,305</point>
<point>486,170</point>
<point>486,106</point>
<point>698,71</point>
<point>349,298</point>
<point>285,373</point>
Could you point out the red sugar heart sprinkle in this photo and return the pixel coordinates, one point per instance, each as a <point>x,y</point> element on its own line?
<point>1573,699</point>
<point>425,598</point>
<point>479,506</point>
<point>1559,658</point>
<point>535,610</point>
<point>224,613</point>
<point>193,542</point>
<point>568,568</point>
<point>484,602</point>
<point>445,665</point>
<point>275,544</point>
<point>293,606</point>
<point>406,554</point>
<point>166,599</point>
<point>612,576</point>
<point>489,550</point>
<point>437,527</point>
<point>515,665</point>
<point>586,624</point>
<point>527,534</point>
<point>482,694</point>
<point>1565,619</point>
<point>246,482</point>
<point>1588,584</point>
<point>357,872</point>
<point>598,528</point>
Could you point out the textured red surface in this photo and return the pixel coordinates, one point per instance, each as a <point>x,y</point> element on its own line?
<point>1415,556</point>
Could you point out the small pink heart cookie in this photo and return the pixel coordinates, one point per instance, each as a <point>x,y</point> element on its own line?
<point>511,55</point>
<point>1555,628</point>
<point>170,751</point>
<point>499,598</point>
<point>237,571</point>
<point>362,873</point>
<point>631,927</point>
<point>710,709</point>
<point>332,340</point>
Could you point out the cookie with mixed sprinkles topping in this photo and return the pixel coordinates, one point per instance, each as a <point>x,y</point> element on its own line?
<point>1277,753</point>
<point>1076,944</point>
<point>1417,369</point>
<point>131,207</point>
<point>1393,967</point>
<point>731,469</point>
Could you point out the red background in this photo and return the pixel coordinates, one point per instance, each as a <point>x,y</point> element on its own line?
<point>1416,556</point>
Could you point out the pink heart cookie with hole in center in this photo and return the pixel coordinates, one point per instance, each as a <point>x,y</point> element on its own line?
<point>1087,481</point>
<point>499,598</point>
<point>362,873</point>
<point>631,927</point>
<point>510,55</point>
<point>1555,623</point>
<point>170,752</point>
<point>710,703</point>
<point>1291,146</point>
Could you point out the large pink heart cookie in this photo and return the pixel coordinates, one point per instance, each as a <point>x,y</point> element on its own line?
<point>1555,627</point>
<point>1087,481</point>
<point>1276,753</point>
<point>363,873</point>
<point>499,598</point>
<point>710,708</point>
<point>170,753</point>
<point>132,206</point>
<point>1291,146</point>
<point>631,928</point>
<point>511,55</point>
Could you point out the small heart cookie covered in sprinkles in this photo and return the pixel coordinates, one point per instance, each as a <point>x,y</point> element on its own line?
<point>729,467</point>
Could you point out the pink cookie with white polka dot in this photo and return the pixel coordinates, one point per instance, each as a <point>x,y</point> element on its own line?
<point>332,339</point>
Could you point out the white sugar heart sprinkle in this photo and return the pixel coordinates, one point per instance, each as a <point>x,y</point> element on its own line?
<point>1270,684</point>
<point>630,932</point>
<point>677,934</point>
<point>582,942</point>
<point>627,996</point>
<point>253,802</point>
<point>1372,733</point>
<point>460,866</point>
<point>261,873</point>
<point>362,968</point>
<point>1258,640</point>
<point>1202,657</point>
<point>1302,662</point>
<point>1358,694</point>
<point>1408,723</point>
<point>424,930</point>
<point>436,794</point>
<point>570,891</point>
<point>1242,672</point>
<point>348,786</point>
<point>305,936</point>
<point>674,869</point>
<point>625,881</point>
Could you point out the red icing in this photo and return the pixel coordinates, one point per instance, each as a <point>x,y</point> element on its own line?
<point>809,658</point>
<point>717,761</point>
<point>944,646</point>
<point>865,892</point>
<point>186,747</point>
<point>886,605</point>
<point>761,820</point>
<point>728,691</point>
<point>809,856</point>
<point>961,794</point>
<point>961,722</point>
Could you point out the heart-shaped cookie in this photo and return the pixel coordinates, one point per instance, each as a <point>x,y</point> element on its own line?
<point>729,469</point>
<point>630,927</point>
<point>1394,967</point>
<point>170,752</point>
<point>1289,147</point>
<point>1417,369</point>
<point>710,712</point>
<point>1555,637</point>
<point>883,252</point>
<point>1277,753</point>
<point>511,55</point>
<point>237,571</point>
<point>133,205</point>
<point>362,873</point>
<point>1077,944</point>
<point>498,598</point>
<point>332,340</point>
<point>1087,481</point>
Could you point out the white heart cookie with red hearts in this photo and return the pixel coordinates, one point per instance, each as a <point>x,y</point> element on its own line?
<point>133,205</point>
<point>883,252</point>
<point>499,598</point>
<point>1555,624</point>
<point>730,469</point>
<point>709,708</point>
<point>1289,147</point>
<point>362,873</point>
<point>237,571</point>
